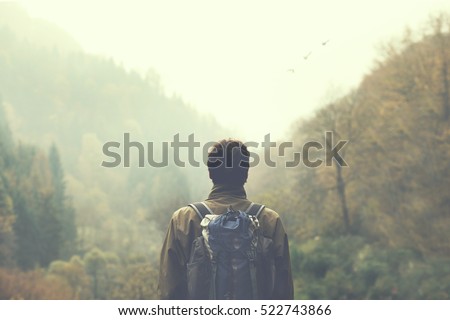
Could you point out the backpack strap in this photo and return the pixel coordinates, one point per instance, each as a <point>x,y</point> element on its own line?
<point>201,209</point>
<point>254,209</point>
<point>253,279</point>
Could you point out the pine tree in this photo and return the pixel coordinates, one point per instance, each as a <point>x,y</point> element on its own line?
<point>61,204</point>
<point>27,234</point>
<point>6,141</point>
<point>7,218</point>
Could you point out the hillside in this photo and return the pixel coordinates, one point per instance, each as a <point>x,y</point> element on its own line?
<point>70,228</point>
<point>377,228</point>
<point>54,94</point>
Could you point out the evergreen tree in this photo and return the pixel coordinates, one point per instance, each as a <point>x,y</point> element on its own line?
<point>6,141</point>
<point>61,204</point>
<point>7,218</point>
<point>27,234</point>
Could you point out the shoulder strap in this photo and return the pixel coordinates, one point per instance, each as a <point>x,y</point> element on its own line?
<point>254,209</point>
<point>201,209</point>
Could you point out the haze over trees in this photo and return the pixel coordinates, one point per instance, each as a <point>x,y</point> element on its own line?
<point>72,229</point>
<point>61,210</point>
<point>378,228</point>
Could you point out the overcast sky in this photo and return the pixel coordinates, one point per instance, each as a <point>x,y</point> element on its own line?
<point>233,58</point>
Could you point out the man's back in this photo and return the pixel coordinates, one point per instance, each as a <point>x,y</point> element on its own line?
<point>185,227</point>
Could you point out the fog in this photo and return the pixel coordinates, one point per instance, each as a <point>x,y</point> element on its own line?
<point>231,59</point>
<point>99,99</point>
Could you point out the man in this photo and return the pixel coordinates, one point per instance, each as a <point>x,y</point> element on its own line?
<point>228,164</point>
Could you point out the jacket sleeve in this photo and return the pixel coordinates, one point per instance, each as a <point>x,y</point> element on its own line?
<point>172,273</point>
<point>284,288</point>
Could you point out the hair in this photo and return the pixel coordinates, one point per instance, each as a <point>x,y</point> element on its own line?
<point>228,162</point>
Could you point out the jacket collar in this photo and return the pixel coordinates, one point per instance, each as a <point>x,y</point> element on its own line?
<point>220,190</point>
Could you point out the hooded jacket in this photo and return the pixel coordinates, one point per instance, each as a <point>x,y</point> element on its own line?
<point>184,227</point>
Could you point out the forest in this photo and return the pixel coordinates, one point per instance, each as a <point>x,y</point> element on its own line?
<point>378,228</point>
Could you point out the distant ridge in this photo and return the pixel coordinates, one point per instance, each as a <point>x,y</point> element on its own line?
<point>35,31</point>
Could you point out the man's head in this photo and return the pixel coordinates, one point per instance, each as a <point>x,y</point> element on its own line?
<point>228,162</point>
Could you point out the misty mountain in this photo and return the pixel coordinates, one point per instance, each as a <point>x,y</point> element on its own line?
<point>38,32</point>
<point>54,93</point>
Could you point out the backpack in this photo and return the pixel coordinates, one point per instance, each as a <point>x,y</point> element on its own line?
<point>222,262</point>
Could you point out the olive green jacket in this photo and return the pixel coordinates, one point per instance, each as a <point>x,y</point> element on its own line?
<point>184,227</point>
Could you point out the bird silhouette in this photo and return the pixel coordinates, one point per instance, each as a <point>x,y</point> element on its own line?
<point>307,56</point>
<point>325,42</point>
<point>291,70</point>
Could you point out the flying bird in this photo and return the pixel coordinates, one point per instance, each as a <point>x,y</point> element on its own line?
<point>290,70</point>
<point>306,57</point>
<point>325,42</point>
